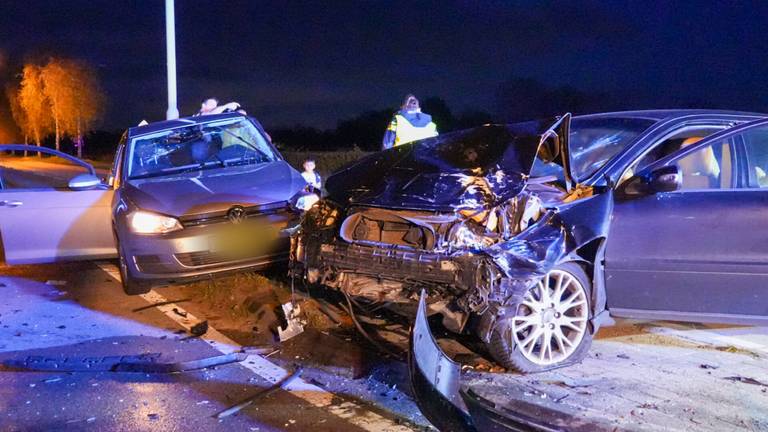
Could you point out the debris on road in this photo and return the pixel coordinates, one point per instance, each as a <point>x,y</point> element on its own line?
<point>246,402</point>
<point>144,363</point>
<point>182,313</point>
<point>164,303</point>
<point>185,366</point>
<point>199,329</point>
<point>708,366</point>
<point>746,380</point>
<point>295,326</point>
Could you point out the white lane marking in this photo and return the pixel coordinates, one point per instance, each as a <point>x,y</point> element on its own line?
<point>352,412</point>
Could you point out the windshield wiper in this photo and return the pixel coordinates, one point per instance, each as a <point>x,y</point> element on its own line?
<point>246,142</point>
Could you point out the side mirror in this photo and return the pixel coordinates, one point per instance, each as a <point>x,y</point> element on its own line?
<point>663,179</point>
<point>84,181</point>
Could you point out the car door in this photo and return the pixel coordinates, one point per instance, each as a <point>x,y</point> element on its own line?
<point>699,253</point>
<point>46,214</point>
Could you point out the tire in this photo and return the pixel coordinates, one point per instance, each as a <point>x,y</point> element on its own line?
<point>131,285</point>
<point>537,337</point>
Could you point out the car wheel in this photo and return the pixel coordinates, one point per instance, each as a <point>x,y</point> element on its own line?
<point>131,285</point>
<point>549,327</point>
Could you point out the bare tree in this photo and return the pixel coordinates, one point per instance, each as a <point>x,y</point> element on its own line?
<point>87,104</point>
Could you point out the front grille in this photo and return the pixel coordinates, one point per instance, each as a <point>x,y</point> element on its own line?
<point>202,258</point>
<point>398,264</point>
<point>208,258</point>
<point>151,263</point>
<point>278,208</point>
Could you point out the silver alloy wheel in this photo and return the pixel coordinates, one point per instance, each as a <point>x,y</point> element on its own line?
<point>552,319</point>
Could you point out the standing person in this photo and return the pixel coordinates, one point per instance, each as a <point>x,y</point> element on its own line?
<point>408,124</point>
<point>312,178</point>
<point>211,106</point>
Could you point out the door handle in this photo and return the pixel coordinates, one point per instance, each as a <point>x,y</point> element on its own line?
<point>10,203</point>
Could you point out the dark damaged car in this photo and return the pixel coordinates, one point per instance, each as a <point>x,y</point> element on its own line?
<point>531,235</point>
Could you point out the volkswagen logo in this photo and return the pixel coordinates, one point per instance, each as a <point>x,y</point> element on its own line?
<point>236,214</point>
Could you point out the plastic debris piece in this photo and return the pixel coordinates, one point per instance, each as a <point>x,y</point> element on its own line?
<point>200,328</point>
<point>294,327</point>
<point>239,406</point>
<point>746,380</point>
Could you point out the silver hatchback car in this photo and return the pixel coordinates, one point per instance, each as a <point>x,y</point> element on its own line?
<point>185,199</point>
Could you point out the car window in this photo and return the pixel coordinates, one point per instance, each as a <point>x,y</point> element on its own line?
<point>594,141</point>
<point>756,147</point>
<point>19,171</point>
<point>668,145</point>
<point>709,167</point>
<point>198,147</point>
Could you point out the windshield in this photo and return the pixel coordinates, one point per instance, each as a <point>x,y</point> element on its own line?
<point>594,141</point>
<point>199,147</point>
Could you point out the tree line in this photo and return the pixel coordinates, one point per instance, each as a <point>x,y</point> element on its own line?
<point>62,98</point>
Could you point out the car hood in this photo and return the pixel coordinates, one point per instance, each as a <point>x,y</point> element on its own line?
<point>215,189</point>
<point>469,169</point>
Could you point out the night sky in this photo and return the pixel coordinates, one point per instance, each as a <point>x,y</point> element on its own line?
<point>314,63</point>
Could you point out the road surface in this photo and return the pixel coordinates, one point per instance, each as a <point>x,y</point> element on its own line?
<point>639,376</point>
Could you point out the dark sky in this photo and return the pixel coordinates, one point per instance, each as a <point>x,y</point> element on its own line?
<point>314,63</point>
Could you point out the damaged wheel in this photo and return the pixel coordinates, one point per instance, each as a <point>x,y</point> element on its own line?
<point>549,326</point>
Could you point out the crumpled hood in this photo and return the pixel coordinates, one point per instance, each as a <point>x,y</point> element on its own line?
<point>468,169</point>
<point>215,189</point>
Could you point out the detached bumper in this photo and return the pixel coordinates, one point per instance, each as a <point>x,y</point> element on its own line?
<point>450,406</point>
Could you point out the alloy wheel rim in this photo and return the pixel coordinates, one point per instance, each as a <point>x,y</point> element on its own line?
<point>550,322</point>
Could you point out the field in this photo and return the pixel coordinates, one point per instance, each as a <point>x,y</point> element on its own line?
<point>327,161</point>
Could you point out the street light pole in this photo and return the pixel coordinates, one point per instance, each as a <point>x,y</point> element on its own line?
<point>170,46</point>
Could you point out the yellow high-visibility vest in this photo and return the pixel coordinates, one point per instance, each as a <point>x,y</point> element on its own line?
<point>405,132</point>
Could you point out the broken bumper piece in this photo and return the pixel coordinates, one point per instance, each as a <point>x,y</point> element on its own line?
<point>436,383</point>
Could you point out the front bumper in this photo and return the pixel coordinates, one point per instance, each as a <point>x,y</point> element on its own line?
<point>188,254</point>
<point>392,263</point>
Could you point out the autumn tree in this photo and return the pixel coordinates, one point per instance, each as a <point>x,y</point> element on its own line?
<point>75,99</point>
<point>30,106</point>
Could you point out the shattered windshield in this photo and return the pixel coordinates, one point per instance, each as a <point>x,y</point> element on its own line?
<point>200,147</point>
<point>594,141</point>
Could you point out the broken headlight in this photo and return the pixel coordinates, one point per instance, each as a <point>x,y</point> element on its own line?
<point>323,215</point>
<point>470,235</point>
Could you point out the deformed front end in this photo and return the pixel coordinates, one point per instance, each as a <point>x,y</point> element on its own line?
<point>476,218</point>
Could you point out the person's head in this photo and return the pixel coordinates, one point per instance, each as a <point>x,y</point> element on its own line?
<point>410,103</point>
<point>309,165</point>
<point>208,105</point>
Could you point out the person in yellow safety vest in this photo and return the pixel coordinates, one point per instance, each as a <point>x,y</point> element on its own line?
<point>408,124</point>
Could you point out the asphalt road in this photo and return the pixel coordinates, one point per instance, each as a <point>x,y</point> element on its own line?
<point>74,321</point>
<point>76,317</point>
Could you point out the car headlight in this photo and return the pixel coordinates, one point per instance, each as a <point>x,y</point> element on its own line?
<point>469,235</point>
<point>142,222</point>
